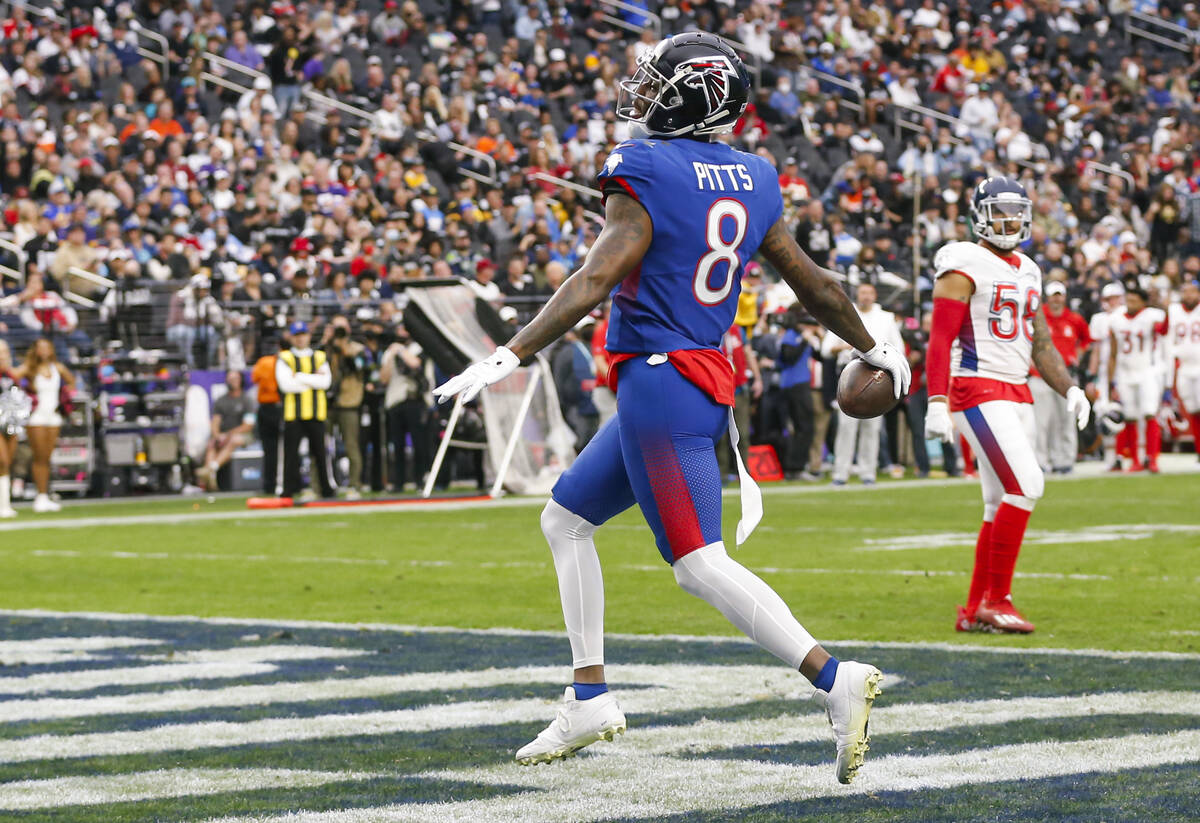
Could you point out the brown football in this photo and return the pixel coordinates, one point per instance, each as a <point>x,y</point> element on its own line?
<point>865,391</point>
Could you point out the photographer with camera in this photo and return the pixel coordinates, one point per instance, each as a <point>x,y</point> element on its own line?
<point>372,436</point>
<point>349,366</point>
<point>403,372</point>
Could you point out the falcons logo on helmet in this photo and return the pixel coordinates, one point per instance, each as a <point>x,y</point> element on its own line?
<point>710,74</point>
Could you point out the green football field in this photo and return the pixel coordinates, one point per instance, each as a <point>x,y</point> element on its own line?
<point>191,660</point>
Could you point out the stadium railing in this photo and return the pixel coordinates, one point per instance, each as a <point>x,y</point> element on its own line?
<point>1171,35</point>
<point>655,20</point>
<point>161,58</point>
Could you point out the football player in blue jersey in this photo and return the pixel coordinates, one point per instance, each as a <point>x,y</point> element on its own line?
<point>683,215</point>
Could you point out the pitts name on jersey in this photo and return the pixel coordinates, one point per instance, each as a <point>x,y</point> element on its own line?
<point>713,176</point>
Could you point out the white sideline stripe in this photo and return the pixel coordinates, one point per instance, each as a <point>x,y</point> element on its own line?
<point>527,564</point>
<point>708,686</point>
<point>46,650</point>
<point>123,788</point>
<point>605,787</point>
<point>1168,463</point>
<point>199,665</point>
<point>1088,534</point>
<point>250,558</point>
<point>647,638</point>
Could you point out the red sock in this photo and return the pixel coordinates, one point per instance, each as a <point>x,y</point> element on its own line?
<point>979,577</point>
<point>1195,421</point>
<point>1153,438</point>
<point>1008,530</point>
<point>1130,447</point>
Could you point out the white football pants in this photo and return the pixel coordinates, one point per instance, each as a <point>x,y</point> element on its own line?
<point>1140,397</point>
<point>861,436</point>
<point>1001,434</point>
<point>1187,384</point>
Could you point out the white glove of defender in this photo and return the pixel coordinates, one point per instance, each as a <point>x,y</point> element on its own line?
<point>937,421</point>
<point>890,359</point>
<point>1077,404</point>
<point>500,365</point>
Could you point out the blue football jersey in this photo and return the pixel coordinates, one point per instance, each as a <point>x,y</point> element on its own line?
<point>711,206</point>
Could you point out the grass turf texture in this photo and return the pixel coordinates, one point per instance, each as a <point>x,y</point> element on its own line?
<point>481,568</point>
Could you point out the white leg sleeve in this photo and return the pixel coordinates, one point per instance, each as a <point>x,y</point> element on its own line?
<point>745,600</point>
<point>580,583</point>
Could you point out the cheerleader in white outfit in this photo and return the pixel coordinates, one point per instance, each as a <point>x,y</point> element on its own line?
<point>45,377</point>
<point>14,413</point>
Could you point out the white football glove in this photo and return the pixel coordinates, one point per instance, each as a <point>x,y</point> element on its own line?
<point>937,422</point>
<point>1077,404</point>
<point>500,365</point>
<point>890,359</point>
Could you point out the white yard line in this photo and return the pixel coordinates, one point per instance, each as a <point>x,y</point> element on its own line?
<point>201,665</point>
<point>125,788</point>
<point>719,686</point>
<point>651,638</point>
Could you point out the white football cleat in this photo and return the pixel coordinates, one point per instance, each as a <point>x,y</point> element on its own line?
<point>578,724</point>
<point>42,504</point>
<point>848,707</point>
<point>7,513</point>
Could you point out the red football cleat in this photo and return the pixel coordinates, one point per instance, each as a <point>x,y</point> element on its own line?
<point>1134,468</point>
<point>1152,465</point>
<point>1002,616</point>
<point>966,623</point>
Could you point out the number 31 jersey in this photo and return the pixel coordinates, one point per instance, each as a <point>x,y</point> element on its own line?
<point>711,205</point>
<point>996,338</point>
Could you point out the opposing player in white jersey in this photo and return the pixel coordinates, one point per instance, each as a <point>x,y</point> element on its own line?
<point>1112,298</point>
<point>986,330</point>
<point>1183,338</point>
<point>1138,370</point>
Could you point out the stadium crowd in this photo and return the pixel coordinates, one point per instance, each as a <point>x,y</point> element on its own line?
<point>263,164</point>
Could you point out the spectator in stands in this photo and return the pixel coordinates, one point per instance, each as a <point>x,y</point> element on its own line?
<point>233,416</point>
<point>194,317</point>
<point>49,383</point>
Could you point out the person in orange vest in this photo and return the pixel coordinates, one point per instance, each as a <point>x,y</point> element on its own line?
<point>270,419</point>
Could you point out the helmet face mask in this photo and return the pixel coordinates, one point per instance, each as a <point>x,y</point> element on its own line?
<point>688,85</point>
<point>1002,213</point>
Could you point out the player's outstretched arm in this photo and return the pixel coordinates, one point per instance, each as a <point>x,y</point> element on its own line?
<point>1053,370</point>
<point>815,287</point>
<point>621,245</point>
<point>820,293</point>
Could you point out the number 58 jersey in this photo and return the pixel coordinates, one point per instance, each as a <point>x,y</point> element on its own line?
<point>996,338</point>
<point>711,205</point>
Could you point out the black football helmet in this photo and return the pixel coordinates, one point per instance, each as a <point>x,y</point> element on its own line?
<point>1001,200</point>
<point>688,85</point>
